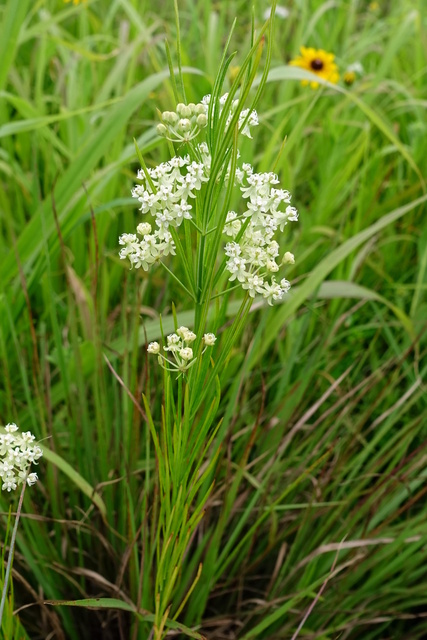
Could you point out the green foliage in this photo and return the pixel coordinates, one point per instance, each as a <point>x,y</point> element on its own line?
<point>317,454</point>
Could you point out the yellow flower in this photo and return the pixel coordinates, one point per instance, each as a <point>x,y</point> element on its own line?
<point>319,62</point>
<point>349,77</point>
<point>75,1</point>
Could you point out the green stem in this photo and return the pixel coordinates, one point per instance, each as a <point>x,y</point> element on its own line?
<point>11,552</point>
<point>177,280</point>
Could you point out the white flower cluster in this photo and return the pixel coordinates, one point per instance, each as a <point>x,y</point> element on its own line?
<point>251,248</point>
<point>252,253</point>
<point>165,196</point>
<point>17,453</point>
<point>178,345</point>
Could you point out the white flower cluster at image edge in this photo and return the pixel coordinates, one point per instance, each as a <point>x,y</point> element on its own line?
<point>17,453</point>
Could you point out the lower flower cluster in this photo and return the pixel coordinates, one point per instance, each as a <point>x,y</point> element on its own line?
<point>178,345</point>
<point>17,453</point>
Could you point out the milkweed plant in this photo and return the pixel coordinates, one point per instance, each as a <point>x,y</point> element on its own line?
<point>213,223</point>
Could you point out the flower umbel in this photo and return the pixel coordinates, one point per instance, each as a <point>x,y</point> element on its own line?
<point>17,453</point>
<point>178,346</point>
<point>319,62</point>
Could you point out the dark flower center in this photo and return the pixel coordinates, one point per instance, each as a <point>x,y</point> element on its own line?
<point>316,64</point>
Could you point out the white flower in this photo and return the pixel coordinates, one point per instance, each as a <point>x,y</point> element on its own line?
<point>9,484</point>
<point>182,330</point>
<point>288,258</point>
<point>186,353</point>
<point>153,348</point>
<point>252,121</point>
<point>144,228</point>
<point>272,266</point>
<point>209,339</point>
<point>236,266</point>
<point>18,453</point>
<point>32,479</point>
<point>174,342</point>
<point>285,285</point>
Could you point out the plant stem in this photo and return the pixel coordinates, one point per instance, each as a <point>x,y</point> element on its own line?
<point>11,550</point>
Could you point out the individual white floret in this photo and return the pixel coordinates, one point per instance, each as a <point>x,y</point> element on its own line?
<point>153,348</point>
<point>237,268</point>
<point>186,353</point>
<point>253,284</point>
<point>144,228</point>
<point>189,336</point>
<point>32,479</point>
<point>174,342</point>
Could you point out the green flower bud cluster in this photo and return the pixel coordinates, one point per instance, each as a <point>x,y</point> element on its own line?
<point>184,123</point>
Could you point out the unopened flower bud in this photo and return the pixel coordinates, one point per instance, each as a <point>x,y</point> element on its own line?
<point>189,336</point>
<point>199,109</point>
<point>161,129</point>
<point>186,353</point>
<point>201,120</point>
<point>288,258</point>
<point>170,117</point>
<point>184,125</point>
<point>209,339</point>
<point>272,266</point>
<point>144,228</point>
<point>181,331</point>
<point>153,348</point>
<point>183,110</point>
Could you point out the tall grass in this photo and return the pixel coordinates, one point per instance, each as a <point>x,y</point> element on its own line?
<point>320,480</point>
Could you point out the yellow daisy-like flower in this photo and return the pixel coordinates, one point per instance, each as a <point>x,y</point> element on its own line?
<point>319,62</point>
